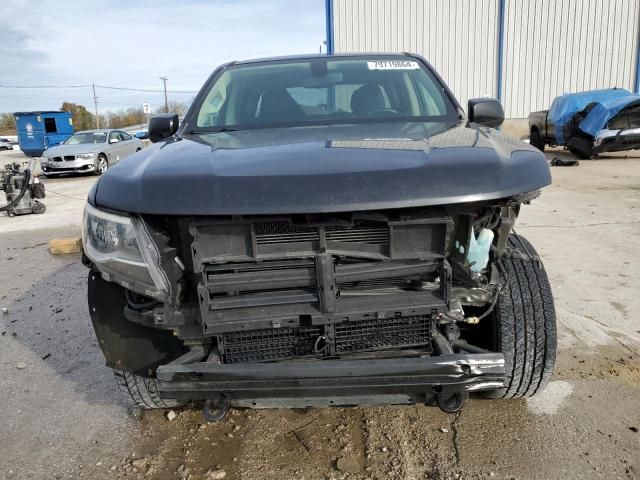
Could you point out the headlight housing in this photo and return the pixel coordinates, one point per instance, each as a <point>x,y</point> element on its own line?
<point>122,249</point>
<point>86,156</point>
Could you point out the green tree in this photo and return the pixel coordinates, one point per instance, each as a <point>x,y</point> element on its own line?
<point>7,123</point>
<point>83,119</point>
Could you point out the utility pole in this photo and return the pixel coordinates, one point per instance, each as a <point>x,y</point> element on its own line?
<point>166,103</point>
<point>95,104</point>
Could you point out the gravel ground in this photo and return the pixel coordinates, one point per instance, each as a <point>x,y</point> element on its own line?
<point>63,418</point>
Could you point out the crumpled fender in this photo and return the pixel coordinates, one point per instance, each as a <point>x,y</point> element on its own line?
<point>126,345</point>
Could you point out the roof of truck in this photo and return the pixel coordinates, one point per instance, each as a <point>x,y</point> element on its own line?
<point>320,55</point>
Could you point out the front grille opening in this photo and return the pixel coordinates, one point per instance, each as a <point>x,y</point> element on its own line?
<point>405,283</point>
<point>270,344</point>
<point>383,333</point>
<point>282,231</point>
<point>366,335</point>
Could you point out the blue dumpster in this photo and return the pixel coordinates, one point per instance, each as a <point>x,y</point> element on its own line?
<point>38,131</point>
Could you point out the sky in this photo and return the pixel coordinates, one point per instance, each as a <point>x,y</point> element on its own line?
<point>134,42</point>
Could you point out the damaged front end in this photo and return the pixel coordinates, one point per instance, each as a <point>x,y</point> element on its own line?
<point>621,133</point>
<point>606,126</point>
<point>374,307</point>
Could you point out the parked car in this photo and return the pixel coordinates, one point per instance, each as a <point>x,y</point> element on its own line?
<point>6,144</point>
<point>589,123</point>
<point>89,151</point>
<point>321,230</point>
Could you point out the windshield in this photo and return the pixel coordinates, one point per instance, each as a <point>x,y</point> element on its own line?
<point>89,137</point>
<point>323,91</point>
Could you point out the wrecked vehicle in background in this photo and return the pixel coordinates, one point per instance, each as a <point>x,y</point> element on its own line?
<point>589,123</point>
<point>321,230</point>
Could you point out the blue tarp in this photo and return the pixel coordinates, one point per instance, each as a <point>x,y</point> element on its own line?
<point>566,106</point>
<point>605,111</point>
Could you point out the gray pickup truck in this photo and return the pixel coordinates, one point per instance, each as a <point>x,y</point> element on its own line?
<point>589,123</point>
<point>321,231</point>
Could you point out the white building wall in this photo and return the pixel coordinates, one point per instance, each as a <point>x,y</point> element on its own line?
<point>458,37</point>
<point>558,46</point>
<point>550,46</point>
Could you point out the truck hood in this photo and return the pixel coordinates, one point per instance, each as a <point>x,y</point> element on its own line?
<point>321,169</point>
<point>77,149</point>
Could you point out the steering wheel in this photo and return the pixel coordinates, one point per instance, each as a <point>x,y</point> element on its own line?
<point>383,111</point>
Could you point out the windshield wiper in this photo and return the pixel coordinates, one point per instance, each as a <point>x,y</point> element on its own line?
<point>213,130</point>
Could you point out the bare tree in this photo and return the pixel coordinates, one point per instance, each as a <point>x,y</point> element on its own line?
<point>175,107</point>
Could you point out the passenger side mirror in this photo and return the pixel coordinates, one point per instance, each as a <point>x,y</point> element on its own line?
<point>162,126</point>
<point>486,111</point>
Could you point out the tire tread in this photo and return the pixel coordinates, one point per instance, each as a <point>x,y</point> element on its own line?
<point>525,323</point>
<point>141,391</point>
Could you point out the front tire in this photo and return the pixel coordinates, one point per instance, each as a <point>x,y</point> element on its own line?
<point>525,323</point>
<point>142,391</point>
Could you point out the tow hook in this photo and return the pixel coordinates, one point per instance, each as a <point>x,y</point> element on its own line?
<point>451,402</point>
<point>215,410</point>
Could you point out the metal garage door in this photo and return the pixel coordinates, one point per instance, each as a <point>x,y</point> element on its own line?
<point>558,46</point>
<point>459,37</point>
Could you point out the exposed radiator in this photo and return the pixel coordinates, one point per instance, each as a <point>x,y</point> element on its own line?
<point>322,341</point>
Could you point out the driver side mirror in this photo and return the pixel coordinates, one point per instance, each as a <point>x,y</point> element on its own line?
<point>162,126</point>
<point>114,140</point>
<point>485,111</point>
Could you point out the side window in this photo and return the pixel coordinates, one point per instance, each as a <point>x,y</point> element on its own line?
<point>312,100</point>
<point>432,100</point>
<point>210,110</point>
<point>50,125</point>
<point>344,93</point>
<point>124,136</point>
<point>113,136</point>
<point>343,97</point>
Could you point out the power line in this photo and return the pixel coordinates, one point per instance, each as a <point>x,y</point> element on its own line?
<point>109,87</point>
<point>145,89</point>
<point>44,86</point>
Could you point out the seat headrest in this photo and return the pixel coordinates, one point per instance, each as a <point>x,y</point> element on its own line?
<point>367,99</point>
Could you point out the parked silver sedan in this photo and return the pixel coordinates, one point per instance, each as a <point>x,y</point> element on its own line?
<point>89,151</point>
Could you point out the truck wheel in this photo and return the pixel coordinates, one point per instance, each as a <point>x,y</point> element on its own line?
<point>582,155</point>
<point>535,139</point>
<point>142,391</point>
<point>525,323</point>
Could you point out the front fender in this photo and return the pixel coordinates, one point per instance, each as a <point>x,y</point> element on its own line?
<point>126,345</point>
